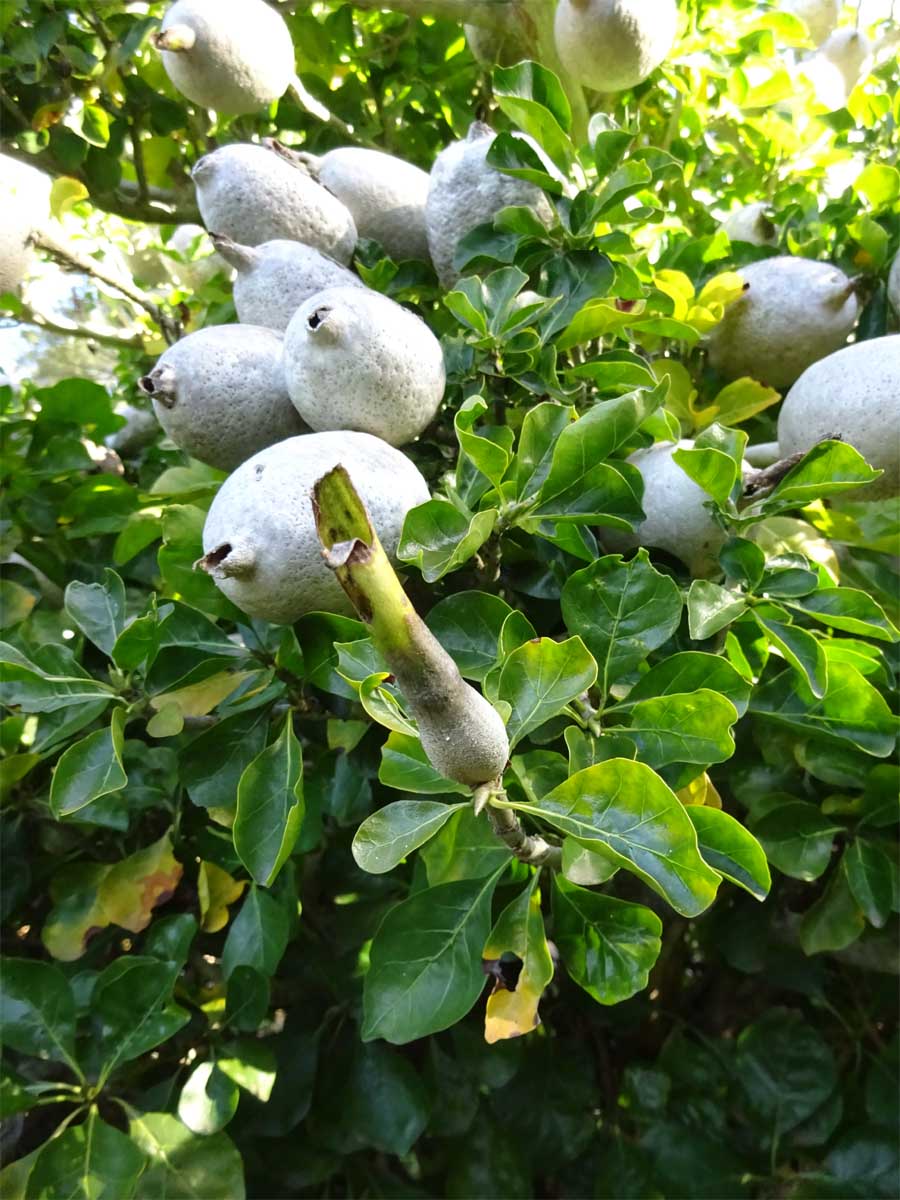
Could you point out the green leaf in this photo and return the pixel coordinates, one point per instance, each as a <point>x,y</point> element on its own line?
<point>711,607</point>
<point>800,649</point>
<point>785,1069</point>
<point>94,122</point>
<point>208,1100</point>
<point>389,835</point>
<point>258,935</point>
<point>870,876</point>
<point>37,1010</point>
<point>468,626</point>
<point>184,1166</point>
<point>405,766</point>
<point>438,538</point>
<point>879,183</point>
<point>693,727</point>
<point>489,457</point>
<point>384,1103</point>
<point>425,961</point>
<point>98,609</point>
<point>540,678</point>
<point>270,806</point>
<point>584,867</point>
<point>851,709</point>
<point>540,432</point>
<point>25,686</point>
<point>622,809</point>
<point>89,769</point>
<point>849,610</point>
<point>797,839</point>
<point>731,849</point>
<point>710,469</point>
<point>517,157</point>
<point>829,469</point>
<point>16,602</point>
<point>92,1161</point>
<point>132,1010</point>
<point>212,764</point>
<point>608,946</point>
<point>835,921</point>
<point>688,671</point>
<point>383,706</point>
<point>622,611</point>
<point>534,99</point>
<point>466,848</point>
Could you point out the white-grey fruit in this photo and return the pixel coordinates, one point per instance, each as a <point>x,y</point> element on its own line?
<point>855,394</point>
<point>386,196</point>
<point>17,221</point>
<point>464,192</point>
<point>793,312</point>
<point>751,224</point>
<point>819,16</point>
<point>893,284</point>
<point>260,541</point>
<point>354,359</point>
<point>274,279</point>
<point>139,430</point>
<point>220,395</point>
<point>677,520</point>
<point>255,194</point>
<point>491,46</point>
<point>235,56</point>
<point>837,67</point>
<point>610,45</point>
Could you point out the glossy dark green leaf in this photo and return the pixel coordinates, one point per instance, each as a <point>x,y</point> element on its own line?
<point>213,763</point>
<point>425,961</point>
<point>517,157</point>
<point>835,920</point>
<point>25,686</point>
<point>870,876</point>
<point>270,806</point>
<point>257,936</point>
<point>608,946</point>
<point>89,769</point>
<point>798,647</point>
<point>692,727</point>
<point>797,839</point>
<point>438,538</point>
<point>132,1010</point>
<point>829,469</point>
<point>785,1069</point>
<point>849,610</point>
<point>184,1166</point>
<point>688,671</point>
<point>405,766</point>
<point>465,848</point>
<point>389,835</point>
<point>37,1010</point>
<point>711,608</point>
<point>731,849</point>
<point>384,1103</point>
<point>539,679</point>
<point>468,626</point>
<point>98,609</point>
<point>534,99</point>
<point>92,1161</point>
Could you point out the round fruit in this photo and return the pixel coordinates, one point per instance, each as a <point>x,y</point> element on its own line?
<point>677,519</point>
<point>355,359</point>
<point>893,285</point>
<point>220,395</point>
<point>837,67</point>
<point>385,195</point>
<point>260,540</point>
<point>18,199</point>
<point>793,312</point>
<point>853,394</point>
<point>819,16</point>
<point>464,192</point>
<point>235,56</point>
<point>610,45</point>
<point>275,278</point>
<point>751,224</point>
<point>255,194</point>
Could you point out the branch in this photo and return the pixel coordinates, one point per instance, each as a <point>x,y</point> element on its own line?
<point>171,328</point>
<point>528,848</point>
<point>29,316</point>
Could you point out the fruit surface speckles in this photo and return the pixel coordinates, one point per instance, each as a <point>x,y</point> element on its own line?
<point>751,224</point>
<point>252,194</point>
<point>274,279</point>
<point>262,517</point>
<point>385,195</point>
<point>220,394</point>
<point>241,59</point>
<point>855,394</point>
<point>610,45</point>
<point>355,359</point>
<point>793,312</point>
<point>464,192</point>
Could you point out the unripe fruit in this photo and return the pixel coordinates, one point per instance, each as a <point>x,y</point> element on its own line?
<point>260,540</point>
<point>275,278</point>
<point>255,194</point>
<point>793,312</point>
<point>750,224</point>
<point>677,520</point>
<point>819,16</point>
<point>854,394</point>
<point>385,195</point>
<point>235,56</point>
<point>610,45</point>
<point>220,395</point>
<point>354,359</point>
<point>893,285</point>
<point>465,192</point>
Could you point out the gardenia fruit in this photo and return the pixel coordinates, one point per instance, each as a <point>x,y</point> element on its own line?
<point>465,192</point>
<point>220,395</point>
<point>837,67</point>
<point>355,359</point>
<point>275,278</point>
<point>819,16</point>
<point>18,201</point>
<point>793,312</point>
<point>255,194</point>
<point>385,195</point>
<point>853,394</point>
<point>235,56</point>
<point>750,224</point>
<point>677,520</point>
<point>893,285</point>
<point>610,45</point>
<point>260,540</point>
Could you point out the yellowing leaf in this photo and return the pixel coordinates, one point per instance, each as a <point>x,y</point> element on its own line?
<point>216,890</point>
<point>65,193</point>
<point>77,913</point>
<point>520,930</point>
<point>677,286</point>
<point>722,289</point>
<point>135,886</point>
<point>736,402</point>
<point>701,791</point>
<point>789,535</point>
<point>198,699</point>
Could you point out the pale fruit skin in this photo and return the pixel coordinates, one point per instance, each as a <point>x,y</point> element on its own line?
<point>354,359</point>
<point>750,224</point>
<point>253,194</point>
<point>854,393</point>
<point>274,279</point>
<point>385,195</point>
<point>18,204</point>
<point>242,57</point>
<point>464,192</point>
<point>610,45</point>
<point>793,312</point>
<point>220,395</point>
<point>676,519</point>
<point>837,67</point>
<point>820,16</point>
<point>263,512</point>
<point>893,285</point>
